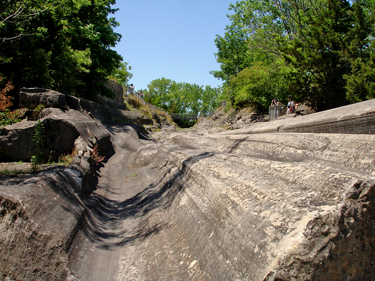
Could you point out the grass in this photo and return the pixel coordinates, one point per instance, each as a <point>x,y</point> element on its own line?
<point>133,175</point>
<point>7,172</point>
<point>134,101</point>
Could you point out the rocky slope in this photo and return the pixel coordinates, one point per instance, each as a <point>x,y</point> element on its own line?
<point>291,199</point>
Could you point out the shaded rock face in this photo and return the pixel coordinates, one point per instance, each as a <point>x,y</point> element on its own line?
<point>33,97</point>
<point>61,129</point>
<point>118,90</point>
<point>39,255</point>
<point>38,218</point>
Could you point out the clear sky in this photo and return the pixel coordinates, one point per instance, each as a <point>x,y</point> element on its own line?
<point>171,38</point>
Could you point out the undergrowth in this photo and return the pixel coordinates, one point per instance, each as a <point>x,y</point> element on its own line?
<point>38,141</point>
<point>95,157</point>
<point>7,117</point>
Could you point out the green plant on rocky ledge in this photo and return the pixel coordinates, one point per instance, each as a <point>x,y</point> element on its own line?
<point>7,172</point>
<point>133,101</point>
<point>8,117</point>
<point>38,142</point>
<point>66,159</point>
<point>95,158</point>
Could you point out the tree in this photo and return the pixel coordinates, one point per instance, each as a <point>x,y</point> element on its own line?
<point>122,75</point>
<point>325,44</point>
<point>260,83</point>
<point>182,97</point>
<point>360,82</point>
<point>233,52</point>
<point>66,46</point>
<point>321,53</point>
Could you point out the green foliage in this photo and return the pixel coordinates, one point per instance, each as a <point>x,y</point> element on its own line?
<point>66,159</point>
<point>122,74</point>
<point>233,52</point>
<point>257,85</point>
<point>39,108</point>
<point>13,172</point>
<point>64,45</point>
<point>323,51</point>
<point>182,97</point>
<point>8,117</point>
<point>38,141</point>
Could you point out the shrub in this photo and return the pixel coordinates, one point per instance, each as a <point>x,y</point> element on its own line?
<point>95,158</point>
<point>38,141</point>
<point>6,101</point>
<point>7,117</point>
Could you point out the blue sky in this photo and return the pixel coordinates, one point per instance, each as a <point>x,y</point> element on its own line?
<point>171,38</point>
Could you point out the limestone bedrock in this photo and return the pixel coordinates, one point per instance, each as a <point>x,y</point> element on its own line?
<point>267,202</point>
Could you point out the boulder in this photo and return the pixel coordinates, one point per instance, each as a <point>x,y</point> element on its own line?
<point>60,130</point>
<point>33,97</point>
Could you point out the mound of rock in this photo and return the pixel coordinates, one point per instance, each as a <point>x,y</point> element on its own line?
<point>271,202</point>
<point>290,199</point>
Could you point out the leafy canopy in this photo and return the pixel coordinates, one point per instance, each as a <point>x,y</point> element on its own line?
<point>64,45</point>
<point>182,97</point>
<point>320,51</point>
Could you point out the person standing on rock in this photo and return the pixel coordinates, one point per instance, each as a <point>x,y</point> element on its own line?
<point>290,105</point>
<point>131,89</point>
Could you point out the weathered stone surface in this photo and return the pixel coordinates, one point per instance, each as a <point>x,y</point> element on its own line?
<point>283,206</point>
<point>38,218</point>
<point>242,205</point>
<point>356,118</point>
<point>32,97</point>
<point>61,129</point>
<point>278,205</point>
<point>118,91</point>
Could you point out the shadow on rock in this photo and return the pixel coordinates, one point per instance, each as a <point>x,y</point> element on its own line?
<point>104,222</point>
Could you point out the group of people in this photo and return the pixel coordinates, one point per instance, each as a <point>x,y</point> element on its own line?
<point>131,91</point>
<point>291,106</point>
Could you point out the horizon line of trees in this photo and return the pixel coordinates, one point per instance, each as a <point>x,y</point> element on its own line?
<point>182,97</point>
<point>321,52</point>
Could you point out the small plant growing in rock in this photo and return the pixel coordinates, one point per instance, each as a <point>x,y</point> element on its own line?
<point>95,158</point>
<point>5,100</point>
<point>38,141</point>
<point>7,117</point>
<point>66,159</point>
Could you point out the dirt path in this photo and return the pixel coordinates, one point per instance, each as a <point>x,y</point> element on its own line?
<point>127,233</point>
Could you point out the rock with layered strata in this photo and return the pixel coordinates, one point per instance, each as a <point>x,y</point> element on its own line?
<point>33,97</point>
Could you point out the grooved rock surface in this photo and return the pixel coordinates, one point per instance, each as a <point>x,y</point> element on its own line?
<point>278,206</point>
<point>38,215</point>
<point>358,118</point>
<point>267,202</point>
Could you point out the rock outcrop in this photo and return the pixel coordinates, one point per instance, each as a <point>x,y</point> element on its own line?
<point>264,204</point>
<point>275,206</point>
<point>33,97</point>
<point>290,199</point>
<point>60,131</point>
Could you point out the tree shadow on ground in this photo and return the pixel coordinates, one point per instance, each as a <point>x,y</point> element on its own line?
<point>105,219</point>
